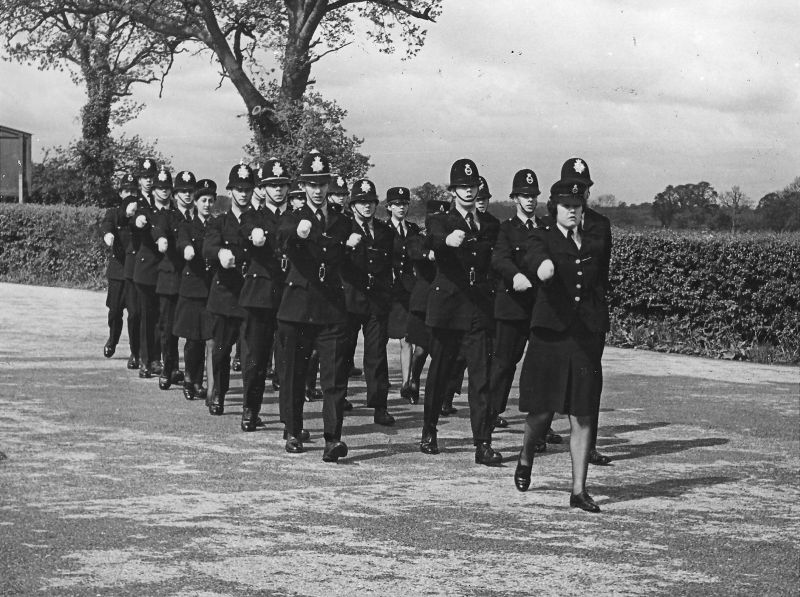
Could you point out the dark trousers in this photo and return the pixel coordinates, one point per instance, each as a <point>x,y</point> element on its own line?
<point>510,338</point>
<point>194,360</point>
<point>226,331</point>
<point>150,348</point>
<point>376,367</point>
<point>134,315</point>
<point>596,412</point>
<point>257,335</point>
<point>115,301</point>
<point>169,341</point>
<point>446,345</point>
<point>297,340</point>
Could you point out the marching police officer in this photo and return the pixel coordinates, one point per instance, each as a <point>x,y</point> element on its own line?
<point>367,278</point>
<point>460,310</point>
<point>228,255</point>
<point>116,236</point>
<point>338,193</point>
<point>595,225</point>
<point>263,286</point>
<point>312,311</point>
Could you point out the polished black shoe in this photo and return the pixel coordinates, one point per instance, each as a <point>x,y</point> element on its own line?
<point>356,372</point>
<point>382,417</point>
<point>553,437</point>
<point>313,394</point>
<point>500,422</point>
<point>583,501</point>
<point>522,476</point>
<point>347,405</point>
<point>270,373</point>
<point>429,444</point>
<point>276,385</point>
<point>334,451</point>
<point>448,409</point>
<point>303,437</point>
<point>200,391</point>
<point>294,445</point>
<point>485,454</point>
<point>540,447</point>
<point>164,382</point>
<point>188,390</point>
<point>156,367</point>
<point>260,422</point>
<point>405,392</point>
<point>108,350</point>
<point>249,420</point>
<point>598,459</point>
<point>236,365</point>
<point>133,362</point>
<point>177,377</point>
<point>145,373</point>
<point>216,405</point>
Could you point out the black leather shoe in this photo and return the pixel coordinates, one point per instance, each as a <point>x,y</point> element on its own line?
<point>539,448</point>
<point>270,373</point>
<point>382,417</point>
<point>347,405</point>
<point>145,373</point>
<point>485,454</point>
<point>236,365</point>
<point>500,422</point>
<point>200,391</point>
<point>313,394</point>
<point>260,422</point>
<point>303,437</point>
<point>583,501</point>
<point>429,445</point>
<point>108,350</point>
<point>522,476</point>
<point>216,405</point>
<point>188,390</point>
<point>448,410</point>
<point>156,367</point>
<point>276,385</point>
<point>133,362</point>
<point>553,437</point>
<point>177,376</point>
<point>405,392</point>
<point>249,420</point>
<point>294,445</point>
<point>334,451</point>
<point>355,372</point>
<point>164,382</point>
<point>598,459</point>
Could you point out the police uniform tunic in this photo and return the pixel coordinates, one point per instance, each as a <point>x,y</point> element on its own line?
<point>403,276</point>
<point>562,368</point>
<point>165,225</point>
<point>145,276</point>
<point>116,223</point>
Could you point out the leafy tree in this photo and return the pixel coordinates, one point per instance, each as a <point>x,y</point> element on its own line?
<point>734,202</point>
<point>313,123</point>
<point>429,191</point>
<point>780,211</point>
<point>607,200</point>
<point>300,32</point>
<point>665,205</point>
<point>106,53</point>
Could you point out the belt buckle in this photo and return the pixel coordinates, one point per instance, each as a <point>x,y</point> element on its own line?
<point>284,263</point>
<point>370,280</point>
<point>322,272</point>
<point>472,276</point>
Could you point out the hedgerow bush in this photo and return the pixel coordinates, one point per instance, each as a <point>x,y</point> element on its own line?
<point>52,245</point>
<point>735,297</point>
<point>726,296</point>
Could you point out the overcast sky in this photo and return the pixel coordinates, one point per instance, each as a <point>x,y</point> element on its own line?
<point>648,93</point>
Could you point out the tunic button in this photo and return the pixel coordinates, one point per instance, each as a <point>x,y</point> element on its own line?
<point>578,261</point>
<point>577,299</point>
<point>577,285</point>
<point>324,249</point>
<point>580,273</point>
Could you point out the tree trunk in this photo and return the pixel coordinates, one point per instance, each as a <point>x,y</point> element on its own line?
<point>95,152</point>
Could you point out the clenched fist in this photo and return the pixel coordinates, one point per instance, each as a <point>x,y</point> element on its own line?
<point>258,237</point>
<point>109,239</point>
<point>188,253</point>
<point>303,228</point>
<point>455,238</point>
<point>130,209</point>
<point>141,221</point>
<point>521,283</point>
<point>546,270</point>
<point>353,240</point>
<point>162,244</point>
<point>226,258</point>
<point>431,256</point>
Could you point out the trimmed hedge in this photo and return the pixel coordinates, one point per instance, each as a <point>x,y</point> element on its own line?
<point>724,296</point>
<point>56,245</point>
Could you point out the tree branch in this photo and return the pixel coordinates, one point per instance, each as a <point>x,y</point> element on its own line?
<point>391,4</point>
<point>312,59</point>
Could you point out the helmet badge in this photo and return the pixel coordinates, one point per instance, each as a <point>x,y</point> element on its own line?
<point>579,166</point>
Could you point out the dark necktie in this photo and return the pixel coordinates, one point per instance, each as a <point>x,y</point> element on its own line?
<point>367,233</point>
<point>402,230</point>
<point>321,218</point>
<point>571,237</point>
<point>471,222</point>
<point>188,215</point>
<point>529,224</point>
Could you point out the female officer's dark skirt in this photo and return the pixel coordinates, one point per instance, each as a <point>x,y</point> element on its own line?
<point>192,321</point>
<point>417,333</point>
<point>398,319</point>
<point>561,371</point>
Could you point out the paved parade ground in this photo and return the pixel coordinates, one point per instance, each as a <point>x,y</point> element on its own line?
<point>109,486</point>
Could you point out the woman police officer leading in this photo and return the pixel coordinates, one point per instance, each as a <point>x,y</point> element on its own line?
<point>562,367</point>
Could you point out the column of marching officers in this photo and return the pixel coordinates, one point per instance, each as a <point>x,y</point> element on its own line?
<point>296,270</point>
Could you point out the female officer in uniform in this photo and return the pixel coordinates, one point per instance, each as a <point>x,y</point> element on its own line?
<point>562,367</point>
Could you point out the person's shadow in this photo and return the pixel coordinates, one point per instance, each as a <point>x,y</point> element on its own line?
<point>663,488</point>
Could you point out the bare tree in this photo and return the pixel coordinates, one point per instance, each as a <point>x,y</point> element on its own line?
<point>734,202</point>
